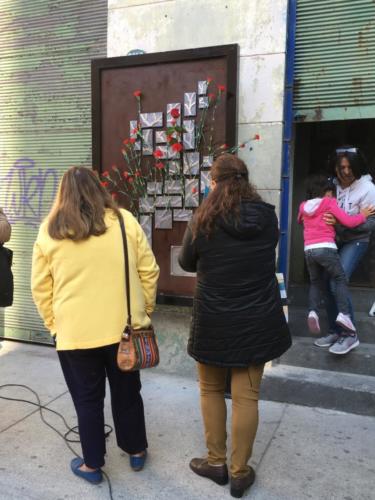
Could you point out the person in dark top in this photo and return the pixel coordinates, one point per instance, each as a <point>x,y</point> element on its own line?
<point>238,321</point>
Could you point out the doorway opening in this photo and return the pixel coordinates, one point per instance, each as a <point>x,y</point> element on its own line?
<point>314,144</point>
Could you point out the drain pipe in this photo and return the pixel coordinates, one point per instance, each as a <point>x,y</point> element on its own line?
<point>287,140</point>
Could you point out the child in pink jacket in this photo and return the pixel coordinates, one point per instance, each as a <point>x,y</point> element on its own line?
<point>321,251</point>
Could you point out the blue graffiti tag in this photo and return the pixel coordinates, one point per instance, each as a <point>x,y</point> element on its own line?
<point>29,192</point>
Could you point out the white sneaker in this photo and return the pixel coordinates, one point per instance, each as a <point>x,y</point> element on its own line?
<point>313,322</point>
<point>345,322</point>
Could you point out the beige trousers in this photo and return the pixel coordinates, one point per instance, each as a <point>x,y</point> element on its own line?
<point>245,384</point>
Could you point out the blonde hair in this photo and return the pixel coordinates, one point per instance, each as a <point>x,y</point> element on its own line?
<point>79,207</point>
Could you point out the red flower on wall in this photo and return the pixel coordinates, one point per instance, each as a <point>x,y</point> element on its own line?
<point>104,183</point>
<point>132,140</point>
<point>125,141</point>
<point>177,147</point>
<point>137,93</point>
<point>158,154</point>
<point>105,174</point>
<point>222,88</point>
<point>125,174</point>
<point>130,179</point>
<point>175,113</point>
<point>194,190</point>
<point>137,173</point>
<point>159,165</point>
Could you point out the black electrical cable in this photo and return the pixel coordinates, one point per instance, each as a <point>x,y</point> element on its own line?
<point>70,430</point>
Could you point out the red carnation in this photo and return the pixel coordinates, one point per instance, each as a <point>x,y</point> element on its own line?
<point>105,174</point>
<point>175,113</point>
<point>125,141</point>
<point>177,147</point>
<point>169,137</point>
<point>130,179</point>
<point>158,154</point>
<point>137,93</point>
<point>104,184</point>
<point>256,137</point>
<point>224,146</point>
<point>159,165</point>
<point>193,190</point>
<point>222,88</point>
<point>135,131</point>
<point>137,173</point>
<point>132,140</point>
<point>125,174</point>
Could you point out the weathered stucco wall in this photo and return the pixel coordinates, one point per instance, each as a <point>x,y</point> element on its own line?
<point>258,26</point>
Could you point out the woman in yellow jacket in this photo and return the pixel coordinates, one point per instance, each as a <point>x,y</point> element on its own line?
<point>78,286</point>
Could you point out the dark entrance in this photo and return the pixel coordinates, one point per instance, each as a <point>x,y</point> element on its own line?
<point>314,142</point>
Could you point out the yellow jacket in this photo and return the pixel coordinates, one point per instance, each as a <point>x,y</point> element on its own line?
<point>79,287</point>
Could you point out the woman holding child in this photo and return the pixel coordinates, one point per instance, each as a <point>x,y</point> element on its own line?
<point>355,195</point>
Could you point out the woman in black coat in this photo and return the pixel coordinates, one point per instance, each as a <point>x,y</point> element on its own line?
<point>238,320</point>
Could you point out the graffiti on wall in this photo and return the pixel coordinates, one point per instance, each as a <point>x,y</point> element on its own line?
<point>28,191</point>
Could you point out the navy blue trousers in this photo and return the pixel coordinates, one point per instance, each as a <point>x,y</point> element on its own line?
<point>85,372</point>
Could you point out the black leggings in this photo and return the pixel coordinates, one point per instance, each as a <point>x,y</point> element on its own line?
<point>85,372</point>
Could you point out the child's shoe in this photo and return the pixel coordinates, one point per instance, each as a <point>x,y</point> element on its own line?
<point>313,322</point>
<point>345,322</point>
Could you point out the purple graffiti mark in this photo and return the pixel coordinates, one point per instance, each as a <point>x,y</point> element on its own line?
<point>29,192</point>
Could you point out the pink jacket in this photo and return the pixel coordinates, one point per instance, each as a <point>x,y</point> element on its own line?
<point>315,230</point>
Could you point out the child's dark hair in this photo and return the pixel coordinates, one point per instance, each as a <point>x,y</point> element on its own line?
<point>317,186</point>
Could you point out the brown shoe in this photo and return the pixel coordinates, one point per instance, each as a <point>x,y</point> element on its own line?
<point>238,485</point>
<point>217,473</point>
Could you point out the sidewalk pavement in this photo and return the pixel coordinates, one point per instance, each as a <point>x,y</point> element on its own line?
<point>300,452</point>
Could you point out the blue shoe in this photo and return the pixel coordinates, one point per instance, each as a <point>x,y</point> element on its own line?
<point>137,463</point>
<point>94,477</point>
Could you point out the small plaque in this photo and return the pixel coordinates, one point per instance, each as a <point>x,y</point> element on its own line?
<point>163,219</point>
<point>191,163</point>
<point>170,119</point>
<point>174,167</point>
<point>147,147</point>
<point>160,137</point>
<point>154,187</point>
<point>190,104</point>
<point>202,87</point>
<point>182,215</point>
<point>203,102</point>
<point>146,224</point>
<point>148,120</point>
<point>176,269</point>
<point>191,193</point>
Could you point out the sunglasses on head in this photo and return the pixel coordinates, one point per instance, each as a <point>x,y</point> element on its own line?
<point>346,150</point>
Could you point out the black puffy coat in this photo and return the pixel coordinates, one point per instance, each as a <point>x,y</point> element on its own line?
<point>238,318</point>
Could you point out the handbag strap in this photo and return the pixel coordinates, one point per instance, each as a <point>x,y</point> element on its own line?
<point>126,259</point>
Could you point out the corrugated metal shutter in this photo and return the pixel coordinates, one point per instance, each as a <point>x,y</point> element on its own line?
<point>335,60</point>
<point>45,122</point>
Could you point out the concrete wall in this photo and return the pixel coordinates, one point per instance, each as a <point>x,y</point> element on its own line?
<point>258,26</point>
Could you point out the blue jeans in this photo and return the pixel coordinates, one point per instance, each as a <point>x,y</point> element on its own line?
<point>350,254</point>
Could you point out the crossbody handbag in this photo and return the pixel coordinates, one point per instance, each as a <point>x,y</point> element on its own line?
<point>138,348</point>
<point>6,276</point>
